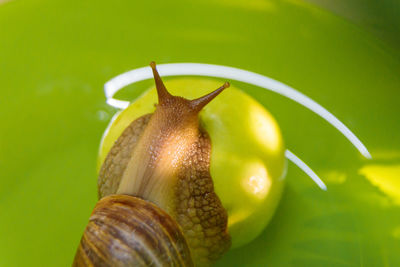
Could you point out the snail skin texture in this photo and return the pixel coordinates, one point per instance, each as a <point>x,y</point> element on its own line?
<point>168,156</point>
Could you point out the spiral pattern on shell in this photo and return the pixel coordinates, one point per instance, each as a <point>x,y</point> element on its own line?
<point>128,231</point>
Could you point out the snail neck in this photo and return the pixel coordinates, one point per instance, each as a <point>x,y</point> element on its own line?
<point>161,150</point>
<point>171,133</point>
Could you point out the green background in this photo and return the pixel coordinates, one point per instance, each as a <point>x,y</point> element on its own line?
<point>55,57</point>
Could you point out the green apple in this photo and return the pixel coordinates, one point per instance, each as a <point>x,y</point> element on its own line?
<point>247,157</point>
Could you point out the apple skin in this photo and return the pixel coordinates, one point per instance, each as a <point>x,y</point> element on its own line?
<point>247,155</point>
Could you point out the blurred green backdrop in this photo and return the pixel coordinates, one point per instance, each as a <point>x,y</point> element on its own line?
<point>55,57</point>
<point>379,17</point>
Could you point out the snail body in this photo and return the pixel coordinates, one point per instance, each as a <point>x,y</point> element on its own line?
<point>246,157</point>
<point>162,160</point>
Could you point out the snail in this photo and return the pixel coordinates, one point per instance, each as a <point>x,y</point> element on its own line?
<point>157,201</point>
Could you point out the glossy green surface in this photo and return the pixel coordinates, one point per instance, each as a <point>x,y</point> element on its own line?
<point>56,55</point>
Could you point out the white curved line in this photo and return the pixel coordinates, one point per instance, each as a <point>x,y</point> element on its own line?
<point>305,168</point>
<point>199,69</point>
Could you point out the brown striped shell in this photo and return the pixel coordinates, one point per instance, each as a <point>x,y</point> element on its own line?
<point>128,231</point>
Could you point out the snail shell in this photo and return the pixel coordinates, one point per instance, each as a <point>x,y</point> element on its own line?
<point>128,231</point>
